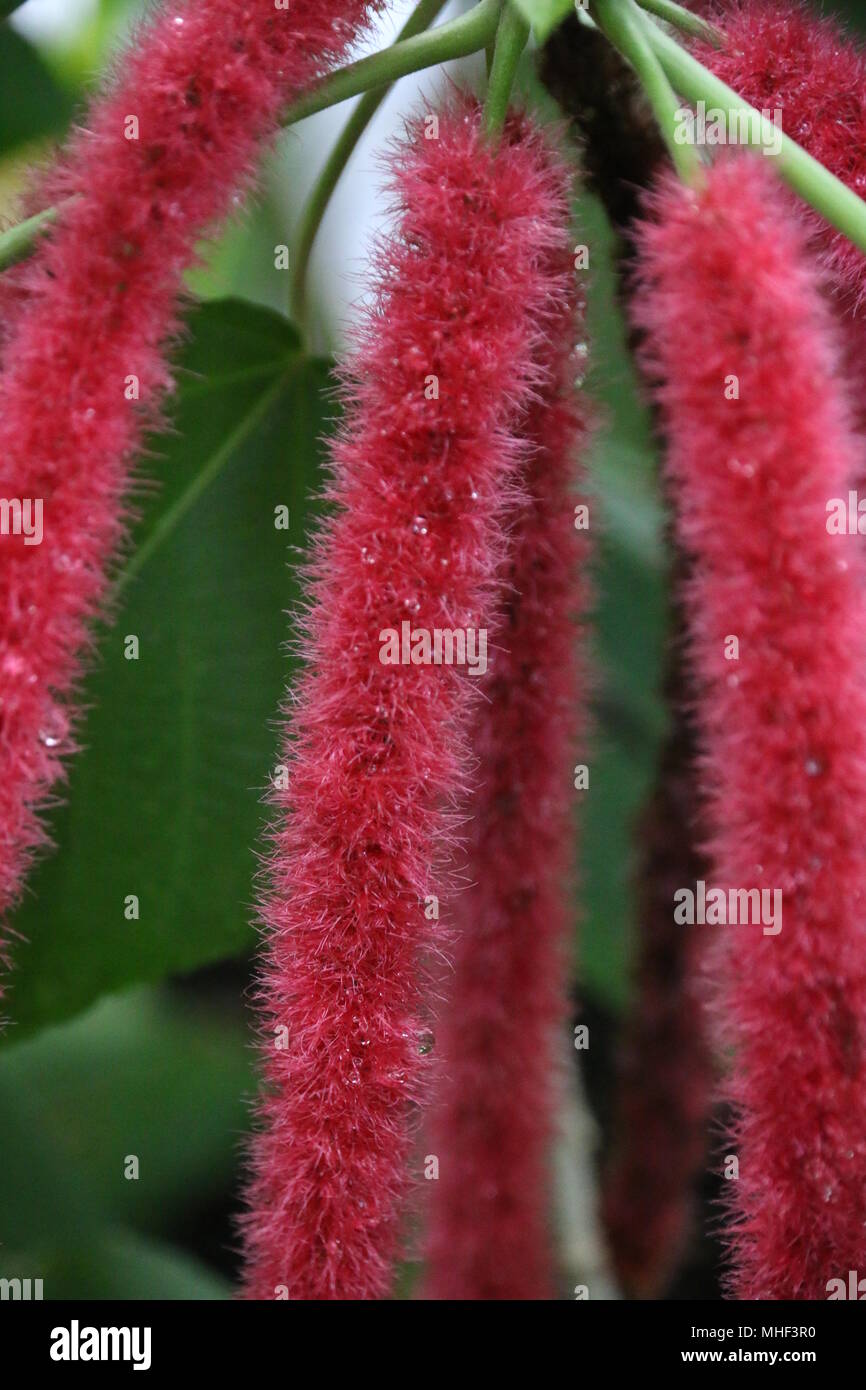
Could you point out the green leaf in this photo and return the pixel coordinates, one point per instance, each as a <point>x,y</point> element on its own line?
<point>630,625</point>
<point>134,1076</point>
<point>544,15</point>
<point>32,104</point>
<point>115,1264</point>
<point>164,802</point>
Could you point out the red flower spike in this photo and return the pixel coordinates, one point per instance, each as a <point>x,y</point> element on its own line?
<point>742,345</point>
<point>166,149</point>
<point>446,364</point>
<point>502,1035</point>
<point>781,55</point>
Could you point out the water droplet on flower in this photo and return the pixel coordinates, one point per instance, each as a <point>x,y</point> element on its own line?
<point>13,664</point>
<point>425,1042</point>
<point>579,356</point>
<point>744,470</point>
<point>813,767</point>
<point>419,526</point>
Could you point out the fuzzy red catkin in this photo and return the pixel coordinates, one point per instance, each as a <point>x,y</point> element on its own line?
<point>465,292</point>
<point>729,290</point>
<point>501,1038</point>
<point>782,55</point>
<point>206,85</point>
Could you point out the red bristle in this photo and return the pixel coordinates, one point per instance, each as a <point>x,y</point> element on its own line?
<point>465,292</point>
<point>742,345</point>
<point>780,55</point>
<point>503,1032</point>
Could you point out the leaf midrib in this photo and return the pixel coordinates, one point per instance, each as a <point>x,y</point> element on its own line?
<point>203,479</point>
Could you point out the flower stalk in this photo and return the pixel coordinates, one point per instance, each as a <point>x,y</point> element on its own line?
<point>314,210</point>
<point>511,39</point>
<point>626,27</point>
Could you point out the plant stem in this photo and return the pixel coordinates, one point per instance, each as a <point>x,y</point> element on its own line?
<point>456,39</point>
<point>17,242</point>
<point>511,38</point>
<point>815,184</point>
<point>311,217</point>
<point>627,28</point>
<point>683,19</point>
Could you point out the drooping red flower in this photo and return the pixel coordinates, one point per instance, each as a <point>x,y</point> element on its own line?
<point>425,470</point>
<point>165,152</point>
<point>502,1035</point>
<point>742,345</point>
<point>781,55</point>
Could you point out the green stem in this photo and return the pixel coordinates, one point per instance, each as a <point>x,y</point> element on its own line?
<point>815,184</point>
<point>17,242</point>
<point>682,18</point>
<point>311,217</point>
<point>627,28</point>
<point>456,39</point>
<point>511,39</point>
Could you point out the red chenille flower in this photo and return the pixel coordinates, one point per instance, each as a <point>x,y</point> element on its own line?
<point>781,56</point>
<point>165,150</point>
<point>502,1036</point>
<point>466,289</point>
<point>742,346</point>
